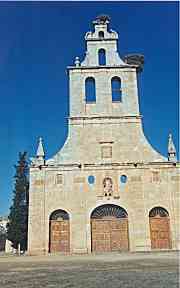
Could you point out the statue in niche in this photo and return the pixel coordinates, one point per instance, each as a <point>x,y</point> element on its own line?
<point>108,186</point>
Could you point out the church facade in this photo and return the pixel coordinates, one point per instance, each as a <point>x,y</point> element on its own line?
<point>107,189</point>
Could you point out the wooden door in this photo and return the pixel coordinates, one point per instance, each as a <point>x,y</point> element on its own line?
<point>160,232</point>
<point>100,235</point>
<point>109,235</point>
<point>59,236</point>
<point>119,235</point>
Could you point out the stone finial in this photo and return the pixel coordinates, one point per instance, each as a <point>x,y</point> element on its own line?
<point>39,159</point>
<point>77,62</point>
<point>40,150</point>
<point>40,155</point>
<point>171,149</point>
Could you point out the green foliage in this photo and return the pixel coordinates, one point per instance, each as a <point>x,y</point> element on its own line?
<point>18,218</point>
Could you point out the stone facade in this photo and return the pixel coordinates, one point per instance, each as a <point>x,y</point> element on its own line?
<point>105,141</point>
<point>5,244</point>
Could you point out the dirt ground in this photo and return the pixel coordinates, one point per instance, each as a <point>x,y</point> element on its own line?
<point>131,270</point>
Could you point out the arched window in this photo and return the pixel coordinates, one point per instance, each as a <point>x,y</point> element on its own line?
<point>59,214</point>
<point>101,34</point>
<point>108,210</point>
<point>162,212</point>
<point>116,89</point>
<point>90,90</point>
<point>102,57</point>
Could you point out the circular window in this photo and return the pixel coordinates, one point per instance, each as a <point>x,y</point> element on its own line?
<point>91,179</point>
<point>123,178</point>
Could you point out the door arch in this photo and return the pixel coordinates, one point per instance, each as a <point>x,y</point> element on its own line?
<point>59,232</point>
<point>159,222</point>
<point>109,229</point>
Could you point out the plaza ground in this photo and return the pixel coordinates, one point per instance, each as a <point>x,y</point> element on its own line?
<point>127,270</point>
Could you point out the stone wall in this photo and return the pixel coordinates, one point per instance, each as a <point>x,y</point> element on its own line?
<point>137,196</point>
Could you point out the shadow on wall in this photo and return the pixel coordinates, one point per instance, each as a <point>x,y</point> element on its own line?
<point>2,242</point>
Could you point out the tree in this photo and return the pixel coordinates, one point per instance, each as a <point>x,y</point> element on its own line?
<point>17,226</point>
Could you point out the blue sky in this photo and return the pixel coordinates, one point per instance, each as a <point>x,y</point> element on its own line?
<point>38,40</point>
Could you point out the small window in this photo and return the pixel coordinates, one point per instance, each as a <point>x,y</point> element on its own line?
<point>101,34</point>
<point>90,90</point>
<point>91,179</point>
<point>116,89</point>
<point>123,179</point>
<point>102,57</point>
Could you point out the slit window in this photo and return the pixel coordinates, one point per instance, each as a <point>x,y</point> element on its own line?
<point>155,176</point>
<point>59,179</point>
<point>101,34</point>
<point>116,89</point>
<point>90,90</point>
<point>102,57</point>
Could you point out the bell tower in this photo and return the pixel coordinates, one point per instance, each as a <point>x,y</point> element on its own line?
<point>104,110</point>
<point>103,84</point>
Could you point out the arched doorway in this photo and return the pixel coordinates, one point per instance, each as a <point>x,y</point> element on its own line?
<point>109,229</point>
<point>59,236</point>
<point>159,228</point>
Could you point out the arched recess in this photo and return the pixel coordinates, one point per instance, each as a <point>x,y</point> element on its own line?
<point>159,222</point>
<point>90,90</point>
<point>101,34</point>
<point>116,89</point>
<point>109,229</point>
<point>102,57</point>
<point>59,232</point>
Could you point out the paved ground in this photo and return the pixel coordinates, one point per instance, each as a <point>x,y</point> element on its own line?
<point>135,270</point>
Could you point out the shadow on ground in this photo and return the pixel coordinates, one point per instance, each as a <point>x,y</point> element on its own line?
<point>144,270</point>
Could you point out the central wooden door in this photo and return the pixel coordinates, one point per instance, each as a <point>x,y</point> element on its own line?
<point>119,235</point>
<point>109,233</point>
<point>101,238</point>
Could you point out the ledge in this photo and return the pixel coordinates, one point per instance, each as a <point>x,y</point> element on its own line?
<point>101,67</point>
<point>111,165</point>
<point>105,117</point>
